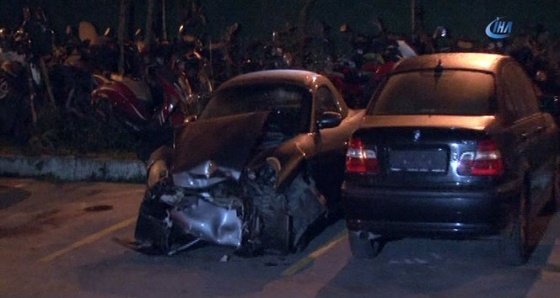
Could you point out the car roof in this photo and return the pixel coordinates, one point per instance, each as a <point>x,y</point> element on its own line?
<point>472,61</point>
<point>290,76</point>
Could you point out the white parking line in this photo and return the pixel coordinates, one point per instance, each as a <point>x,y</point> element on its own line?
<point>90,239</point>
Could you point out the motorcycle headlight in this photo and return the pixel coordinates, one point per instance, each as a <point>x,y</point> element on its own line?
<point>173,102</point>
<point>541,76</point>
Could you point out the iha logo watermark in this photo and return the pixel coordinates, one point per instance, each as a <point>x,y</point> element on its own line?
<point>499,29</point>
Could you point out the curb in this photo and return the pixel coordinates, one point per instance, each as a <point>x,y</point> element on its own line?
<point>71,168</point>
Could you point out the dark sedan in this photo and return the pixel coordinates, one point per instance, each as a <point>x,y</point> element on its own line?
<point>260,169</point>
<point>452,146</point>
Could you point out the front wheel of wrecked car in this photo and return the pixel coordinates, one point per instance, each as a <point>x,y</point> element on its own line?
<point>307,209</point>
<point>286,217</point>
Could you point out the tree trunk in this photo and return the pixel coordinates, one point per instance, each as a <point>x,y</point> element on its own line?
<point>149,25</point>
<point>302,30</point>
<point>164,19</point>
<point>121,32</point>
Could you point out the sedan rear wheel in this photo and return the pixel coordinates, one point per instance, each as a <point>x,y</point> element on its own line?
<point>552,206</point>
<point>362,247</point>
<point>515,245</point>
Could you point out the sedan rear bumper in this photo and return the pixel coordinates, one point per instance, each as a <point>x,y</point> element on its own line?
<point>394,212</point>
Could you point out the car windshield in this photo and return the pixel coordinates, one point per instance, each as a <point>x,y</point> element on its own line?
<point>289,105</point>
<point>450,92</point>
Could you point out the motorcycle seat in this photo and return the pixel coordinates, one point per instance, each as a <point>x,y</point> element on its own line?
<point>140,88</point>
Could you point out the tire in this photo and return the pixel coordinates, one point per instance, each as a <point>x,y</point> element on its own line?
<point>363,247</point>
<point>287,218</point>
<point>103,109</point>
<point>556,193</point>
<point>552,205</point>
<point>514,245</point>
<point>106,114</point>
<point>307,209</point>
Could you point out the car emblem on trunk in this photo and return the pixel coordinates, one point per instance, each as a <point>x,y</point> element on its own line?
<point>416,135</point>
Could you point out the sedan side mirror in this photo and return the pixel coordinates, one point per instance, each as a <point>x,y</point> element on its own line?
<point>329,120</point>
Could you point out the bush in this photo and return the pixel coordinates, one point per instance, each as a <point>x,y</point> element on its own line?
<point>60,133</point>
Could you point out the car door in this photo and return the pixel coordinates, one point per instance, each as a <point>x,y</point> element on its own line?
<point>327,165</point>
<point>534,131</point>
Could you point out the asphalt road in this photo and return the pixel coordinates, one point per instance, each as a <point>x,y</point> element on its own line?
<point>58,240</point>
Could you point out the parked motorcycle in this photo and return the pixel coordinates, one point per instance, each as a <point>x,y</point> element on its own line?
<point>14,107</point>
<point>148,107</point>
<point>358,74</point>
<point>275,53</point>
<point>24,81</point>
<point>73,76</point>
<point>278,53</point>
<point>222,55</point>
<point>194,72</point>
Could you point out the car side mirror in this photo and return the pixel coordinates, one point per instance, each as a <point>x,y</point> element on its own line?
<point>329,120</point>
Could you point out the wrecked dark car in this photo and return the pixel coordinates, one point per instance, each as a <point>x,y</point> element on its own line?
<point>260,170</point>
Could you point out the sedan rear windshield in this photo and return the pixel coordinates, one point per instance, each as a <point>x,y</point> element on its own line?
<point>449,92</point>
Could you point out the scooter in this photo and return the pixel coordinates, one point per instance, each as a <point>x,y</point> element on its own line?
<point>148,108</point>
<point>142,104</point>
<point>358,76</point>
<point>148,96</point>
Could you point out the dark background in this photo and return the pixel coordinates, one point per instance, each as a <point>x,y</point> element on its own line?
<point>258,18</point>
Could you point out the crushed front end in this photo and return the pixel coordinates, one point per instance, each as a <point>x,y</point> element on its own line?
<point>242,213</point>
<point>205,195</point>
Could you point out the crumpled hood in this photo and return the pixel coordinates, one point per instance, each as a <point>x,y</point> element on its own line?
<point>206,147</point>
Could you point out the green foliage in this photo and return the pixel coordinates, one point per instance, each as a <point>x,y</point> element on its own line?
<point>60,133</point>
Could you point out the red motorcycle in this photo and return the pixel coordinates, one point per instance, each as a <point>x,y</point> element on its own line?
<point>149,108</point>
<point>142,104</point>
<point>357,81</point>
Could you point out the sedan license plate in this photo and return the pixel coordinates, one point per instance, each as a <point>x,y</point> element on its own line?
<point>418,160</point>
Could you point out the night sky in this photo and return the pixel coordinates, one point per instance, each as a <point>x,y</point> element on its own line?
<point>465,19</point>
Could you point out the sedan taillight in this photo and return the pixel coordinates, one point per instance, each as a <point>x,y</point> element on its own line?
<point>485,161</point>
<point>361,160</point>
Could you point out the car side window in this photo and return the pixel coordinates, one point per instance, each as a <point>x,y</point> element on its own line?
<point>325,102</point>
<point>519,90</point>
